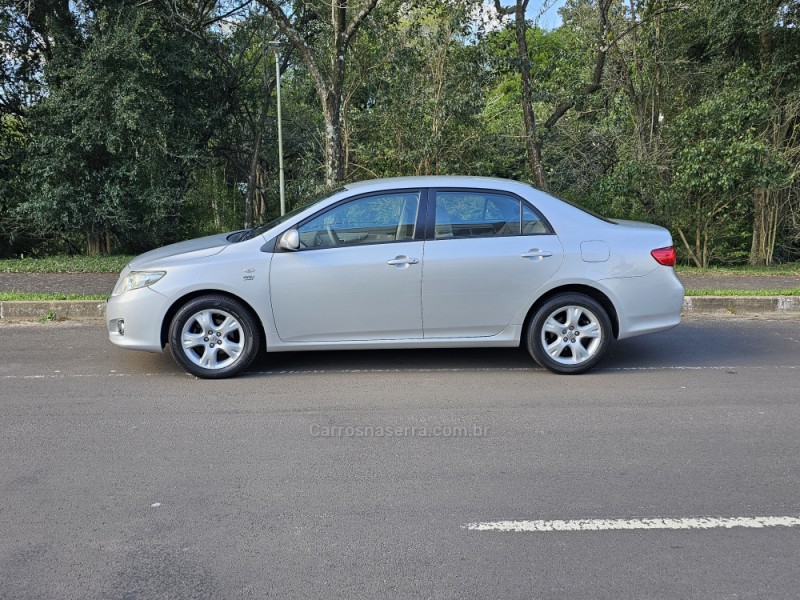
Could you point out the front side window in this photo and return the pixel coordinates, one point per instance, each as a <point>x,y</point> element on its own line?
<point>465,214</point>
<point>383,218</point>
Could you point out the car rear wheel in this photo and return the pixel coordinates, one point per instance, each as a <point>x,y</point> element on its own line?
<point>214,337</point>
<point>569,334</point>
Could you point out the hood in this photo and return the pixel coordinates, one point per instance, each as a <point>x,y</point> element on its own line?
<point>190,249</point>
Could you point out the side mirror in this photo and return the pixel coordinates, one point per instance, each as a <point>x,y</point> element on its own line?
<point>290,240</point>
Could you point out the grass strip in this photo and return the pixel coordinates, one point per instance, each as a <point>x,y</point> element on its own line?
<point>784,292</point>
<point>47,297</point>
<point>741,270</point>
<point>65,264</point>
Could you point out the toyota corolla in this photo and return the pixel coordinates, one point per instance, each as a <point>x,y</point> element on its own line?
<point>413,262</point>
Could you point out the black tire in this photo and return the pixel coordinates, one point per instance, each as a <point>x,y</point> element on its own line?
<point>220,353</point>
<point>562,349</point>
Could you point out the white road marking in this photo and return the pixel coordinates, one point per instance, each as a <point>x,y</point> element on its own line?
<point>627,524</point>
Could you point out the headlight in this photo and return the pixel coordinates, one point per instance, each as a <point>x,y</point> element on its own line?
<point>137,279</point>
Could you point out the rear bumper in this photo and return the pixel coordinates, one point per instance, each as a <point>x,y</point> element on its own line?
<point>646,304</point>
<point>142,313</point>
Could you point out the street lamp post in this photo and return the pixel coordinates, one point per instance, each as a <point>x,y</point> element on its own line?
<point>276,47</point>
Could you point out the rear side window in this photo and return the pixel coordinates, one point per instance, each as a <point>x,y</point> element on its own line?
<point>466,214</point>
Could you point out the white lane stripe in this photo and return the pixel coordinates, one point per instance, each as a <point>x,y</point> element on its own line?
<point>626,524</point>
<point>531,369</point>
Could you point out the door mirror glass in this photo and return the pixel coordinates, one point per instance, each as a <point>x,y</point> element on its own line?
<point>290,240</point>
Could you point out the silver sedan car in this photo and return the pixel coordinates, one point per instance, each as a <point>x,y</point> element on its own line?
<point>413,262</point>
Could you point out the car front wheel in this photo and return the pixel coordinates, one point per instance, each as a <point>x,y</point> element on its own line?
<point>214,337</point>
<point>569,334</point>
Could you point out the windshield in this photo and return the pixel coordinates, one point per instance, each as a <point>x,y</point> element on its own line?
<point>282,219</point>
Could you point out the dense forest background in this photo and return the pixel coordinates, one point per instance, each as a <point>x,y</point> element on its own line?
<point>130,124</point>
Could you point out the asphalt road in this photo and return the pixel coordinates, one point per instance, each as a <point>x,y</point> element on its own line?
<point>122,478</point>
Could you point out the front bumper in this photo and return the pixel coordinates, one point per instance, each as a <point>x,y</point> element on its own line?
<point>142,311</point>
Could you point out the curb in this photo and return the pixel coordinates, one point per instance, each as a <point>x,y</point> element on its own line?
<point>733,305</point>
<point>53,310</point>
<point>692,305</point>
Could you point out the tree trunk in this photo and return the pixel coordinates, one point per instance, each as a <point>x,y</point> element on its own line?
<point>766,215</point>
<point>334,149</point>
<point>93,243</point>
<point>688,247</point>
<point>532,146</point>
<point>260,202</point>
<point>215,210</point>
<point>251,178</point>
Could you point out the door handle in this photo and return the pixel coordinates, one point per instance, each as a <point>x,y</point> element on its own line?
<point>399,261</point>
<point>536,253</point>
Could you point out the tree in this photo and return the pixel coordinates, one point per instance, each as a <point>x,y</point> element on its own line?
<point>326,62</point>
<point>765,32</point>
<point>533,140</point>
<point>761,39</point>
<point>721,158</point>
<point>28,36</point>
<point>415,95</point>
<point>125,120</point>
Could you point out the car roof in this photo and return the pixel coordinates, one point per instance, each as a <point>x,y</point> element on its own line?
<point>436,181</point>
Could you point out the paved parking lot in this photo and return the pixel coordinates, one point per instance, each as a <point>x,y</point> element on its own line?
<point>671,472</point>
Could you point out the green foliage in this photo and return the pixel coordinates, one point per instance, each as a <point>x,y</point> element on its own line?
<point>721,159</point>
<point>764,292</point>
<point>12,147</point>
<point>633,190</point>
<point>114,140</point>
<point>50,316</point>
<point>66,264</point>
<point>557,61</point>
<point>419,108</point>
<point>44,297</point>
<point>742,270</point>
<point>720,152</point>
<point>211,205</point>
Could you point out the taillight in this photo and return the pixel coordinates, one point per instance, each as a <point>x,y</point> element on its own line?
<point>665,256</point>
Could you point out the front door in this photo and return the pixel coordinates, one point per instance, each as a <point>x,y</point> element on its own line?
<point>357,275</point>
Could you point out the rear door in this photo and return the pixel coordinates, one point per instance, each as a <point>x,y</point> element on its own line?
<point>486,253</point>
